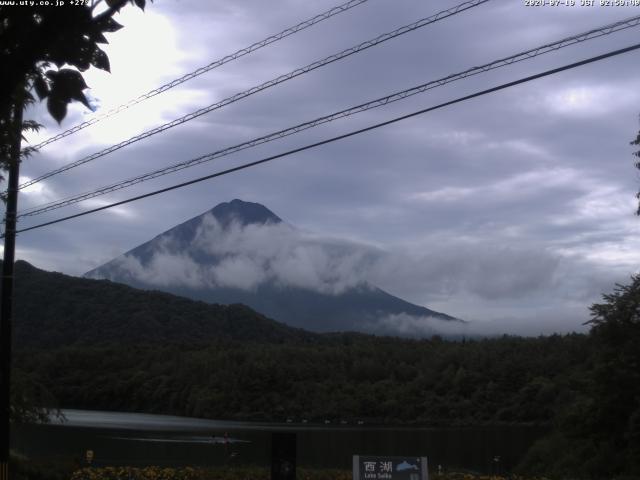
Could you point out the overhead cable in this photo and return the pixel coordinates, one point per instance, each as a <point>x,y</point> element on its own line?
<point>271,83</point>
<point>341,137</point>
<point>215,64</point>
<point>528,54</point>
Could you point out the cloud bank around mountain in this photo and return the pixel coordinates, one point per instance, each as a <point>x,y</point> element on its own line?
<point>451,276</point>
<point>246,256</point>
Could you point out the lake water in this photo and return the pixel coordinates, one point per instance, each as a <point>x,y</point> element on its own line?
<point>142,439</point>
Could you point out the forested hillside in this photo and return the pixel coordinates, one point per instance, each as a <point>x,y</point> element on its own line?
<point>432,382</point>
<point>100,345</point>
<point>54,310</point>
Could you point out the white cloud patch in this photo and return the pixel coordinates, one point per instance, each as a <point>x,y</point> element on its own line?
<point>125,212</point>
<point>582,100</point>
<point>35,194</point>
<point>283,255</point>
<point>461,267</point>
<point>164,270</point>
<point>527,183</point>
<point>404,324</point>
<point>246,256</point>
<point>423,326</point>
<point>238,272</point>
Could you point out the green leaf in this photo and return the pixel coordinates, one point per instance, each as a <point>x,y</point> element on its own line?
<point>80,97</point>
<point>110,25</point>
<point>57,108</point>
<point>72,79</point>
<point>82,54</point>
<point>31,125</point>
<point>66,85</point>
<point>27,151</point>
<point>41,87</point>
<point>100,38</point>
<point>118,4</point>
<point>101,60</point>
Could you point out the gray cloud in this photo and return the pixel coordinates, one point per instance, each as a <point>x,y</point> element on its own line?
<point>246,256</point>
<point>515,206</point>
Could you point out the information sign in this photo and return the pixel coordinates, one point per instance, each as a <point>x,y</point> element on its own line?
<point>390,468</point>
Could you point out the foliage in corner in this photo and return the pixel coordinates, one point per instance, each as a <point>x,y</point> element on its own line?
<point>599,432</point>
<point>636,143</point>
<point>615,414</point>
<point>44,48</point>
<point>43,51</point>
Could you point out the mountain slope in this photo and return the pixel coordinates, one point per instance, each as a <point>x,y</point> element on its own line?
<point>241,252</point>
<point>55,310</point>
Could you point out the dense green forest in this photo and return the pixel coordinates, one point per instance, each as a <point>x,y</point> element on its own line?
<point>75,349</point>
<point>345,377</point>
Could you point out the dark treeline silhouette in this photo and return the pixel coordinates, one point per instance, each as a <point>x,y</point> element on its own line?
<point>433,382</point>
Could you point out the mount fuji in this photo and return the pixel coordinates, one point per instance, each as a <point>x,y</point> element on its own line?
<point>241,252</point>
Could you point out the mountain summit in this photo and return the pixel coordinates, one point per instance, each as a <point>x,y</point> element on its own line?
<point>244,213</point>
<point>182,237</point>
<point>241,252</point>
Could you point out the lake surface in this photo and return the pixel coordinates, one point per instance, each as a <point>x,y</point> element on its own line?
<point>143,439</point>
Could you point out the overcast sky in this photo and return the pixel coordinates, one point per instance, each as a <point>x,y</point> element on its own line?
<point>516,208</point>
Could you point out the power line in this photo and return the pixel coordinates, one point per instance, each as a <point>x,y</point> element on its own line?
<point>215,64</point>
<point>282,78</point>
<point>528,54</point>
<point>343,136</point>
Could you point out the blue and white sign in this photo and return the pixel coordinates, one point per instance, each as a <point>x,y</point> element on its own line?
<point>390,468</point>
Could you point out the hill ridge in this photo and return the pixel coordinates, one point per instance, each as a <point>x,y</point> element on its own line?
<point>53,309</point>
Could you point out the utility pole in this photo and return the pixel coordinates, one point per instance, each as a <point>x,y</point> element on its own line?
<point>6,302</point>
